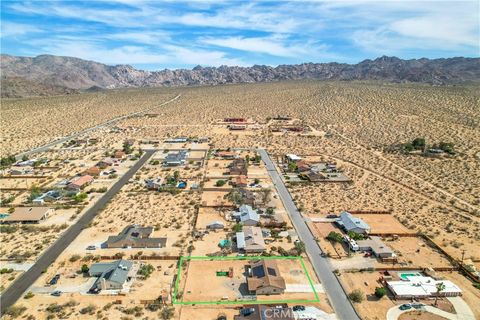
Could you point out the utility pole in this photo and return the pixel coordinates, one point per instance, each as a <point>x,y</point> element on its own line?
<point>463,254</point>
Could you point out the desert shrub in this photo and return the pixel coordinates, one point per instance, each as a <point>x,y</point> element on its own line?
<point>380,292</point>
<point>220,183</point>
<point>356,296</point>
<point>29,295</point>
<point>90,309</point>
<point>15,311</point>
<point>146,270</point>
<point>74,258</point>
<point>334,236</point>
<point>167,313</point>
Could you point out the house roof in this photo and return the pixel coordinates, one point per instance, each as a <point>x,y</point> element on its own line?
<point>27,214</point>
<point>350,222</point>
<point>116,271</point>
<point>421,286</point>
<point>176,156</point>
<point>241,179</point>
<point>92,170</point>
<point>265,273</point>
<point>226,154</point>
<point>136,233</point>
<point>253,238</point>
<point>246,213</point>
<point>376,245</point>
<point>80,181</point>
<point>293,157</point>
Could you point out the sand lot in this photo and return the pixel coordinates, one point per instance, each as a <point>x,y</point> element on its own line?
<point>224,288</point>
<point>383,223</point>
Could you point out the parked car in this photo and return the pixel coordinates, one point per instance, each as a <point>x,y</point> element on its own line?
<point>298,308</point>
<point>91,248</point>
<point>54,280</point>
<point>332,216</point>
<point>406,306</point>
<point>56,293</point>
<point>418,305</point>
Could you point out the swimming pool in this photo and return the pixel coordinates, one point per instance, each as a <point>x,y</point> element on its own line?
<point>405,275</point>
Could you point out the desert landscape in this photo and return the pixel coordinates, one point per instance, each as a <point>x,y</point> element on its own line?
<point>425,208</point>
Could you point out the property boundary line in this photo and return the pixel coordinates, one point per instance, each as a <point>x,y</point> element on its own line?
<point>241,302</point>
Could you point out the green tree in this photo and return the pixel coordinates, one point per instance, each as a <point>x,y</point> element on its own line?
<point>356,296</point>
<point>84,268</point>
<point>380,292</point>
<point>440,287</point>
<point>300,247</point>
<point>176,175</point>
<point>418,143</point>
<point>408,147</point>
<point>25,158</point>
<point>334,237</point>
<point>237,227</point>
<point>80,197</point>
<point>235,196</point>
<point>220,183</point>
<point>256,181</point>
<point>292,167</point>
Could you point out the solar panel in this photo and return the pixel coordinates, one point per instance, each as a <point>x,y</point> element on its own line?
<point>258,272</point>
<point>271,271</point>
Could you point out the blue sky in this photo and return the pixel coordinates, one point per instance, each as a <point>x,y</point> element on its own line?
<point>154,35</point>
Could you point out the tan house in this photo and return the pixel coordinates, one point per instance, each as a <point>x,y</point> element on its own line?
<point>230,155</point>
<point>28,215</point>
<point>92,171</point>
<point>264,278</point>
<point>81,182</point>
<point>119,154</point>
<point>250,240</point>
<point>240,181</point>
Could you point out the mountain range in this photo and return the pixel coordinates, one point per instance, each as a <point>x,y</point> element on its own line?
<point>48,74</point>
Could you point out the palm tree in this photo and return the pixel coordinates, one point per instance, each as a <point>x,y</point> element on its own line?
<point>440,287</point>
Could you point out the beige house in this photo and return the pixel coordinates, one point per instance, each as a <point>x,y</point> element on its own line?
<point>250,240</point>
<point>28,215</point>
<point>265,279</point>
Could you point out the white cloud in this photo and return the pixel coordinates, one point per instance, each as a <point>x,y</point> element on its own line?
<point>12,29</point>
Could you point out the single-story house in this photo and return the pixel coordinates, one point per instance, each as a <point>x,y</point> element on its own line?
<point>229,155</point>
<point>119,154</point>
<point>350,223</point>
<point>264,278</point>
<point>154,184</point>
<point>177,140</point>
<point>135,236</point>
<point>237,126</point>
<point>111,275</point>
<point>292,157</point>
<point>92,171</point>
<point>240,181</point>
<point>81,182</point>
<point>106,162</point>
<point>28,215</point>
<point>216,225</point>
<point>422,287</point>
<point>21,171</point>
<point>376,245</point>
<point>250,240</point>
<point>26,163</point>
<point>176,158</point>
<point>49,196</point>
<point>247,215</point>
<point>234,120</point>
<point>263,311</point>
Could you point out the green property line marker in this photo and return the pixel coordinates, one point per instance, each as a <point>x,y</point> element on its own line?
<point>246,301</point>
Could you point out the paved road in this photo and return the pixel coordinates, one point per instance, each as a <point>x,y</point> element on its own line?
<point>342,306</point>
<point>16,290</point>
<point>74,135</point>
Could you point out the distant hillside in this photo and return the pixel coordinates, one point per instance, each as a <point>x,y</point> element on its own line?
<point>17,87</point>
<point>82,74</point>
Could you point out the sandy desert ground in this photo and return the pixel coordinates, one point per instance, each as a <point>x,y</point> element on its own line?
<point>354,124</point>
